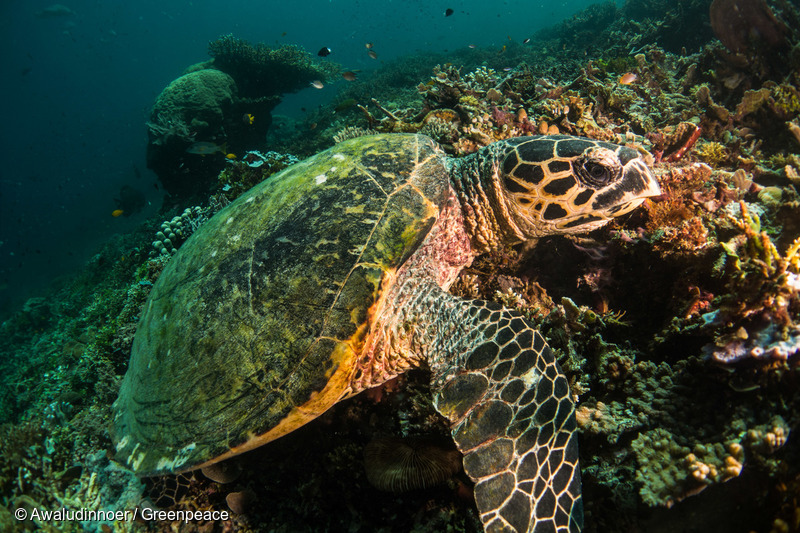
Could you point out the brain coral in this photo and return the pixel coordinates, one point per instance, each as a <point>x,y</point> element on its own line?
<point>198,100</point>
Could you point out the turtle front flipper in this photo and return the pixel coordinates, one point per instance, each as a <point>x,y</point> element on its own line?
<point>498,383</point>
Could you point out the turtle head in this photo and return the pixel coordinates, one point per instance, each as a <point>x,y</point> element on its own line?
<point>563,184</point>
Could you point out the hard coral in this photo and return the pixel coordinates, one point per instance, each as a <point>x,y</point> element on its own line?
<point>766,342</point>
<point>762,300</point>
<point>253,168</point>
<point>712,153</point>
<point>669,472</point>
<point>400,465</point>
<point>259,69</point>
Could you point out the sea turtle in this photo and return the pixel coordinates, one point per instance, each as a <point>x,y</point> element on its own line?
<point>331,277</point>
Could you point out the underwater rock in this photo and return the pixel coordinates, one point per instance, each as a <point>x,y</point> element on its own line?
<point>223,472</point>
<point>747,26</point>
<point>240,501</point>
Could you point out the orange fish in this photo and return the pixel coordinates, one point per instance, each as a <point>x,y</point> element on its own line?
<point>627,78</point>
<point>116,212</point>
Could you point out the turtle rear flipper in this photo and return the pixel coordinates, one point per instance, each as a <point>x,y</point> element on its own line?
<point>497,381</point>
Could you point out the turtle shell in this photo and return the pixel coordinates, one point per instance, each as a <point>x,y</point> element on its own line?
<point>254,326</point>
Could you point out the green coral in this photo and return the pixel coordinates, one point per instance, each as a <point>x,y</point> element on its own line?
<point>259,69</point>
<point>195,102</point>
<point>660,472</point>
<point>669,471</point>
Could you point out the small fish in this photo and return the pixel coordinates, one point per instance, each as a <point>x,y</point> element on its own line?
<point>369,45</point>
<point>349,75</point>
<point>345,104</point>
<point>471,46</point>
<point>502,49</point>
<point>116,212</point>
<point>205,148</point>
<point>317,84</point>
<point>283,34</point>
<point>627,78</point>
<point>526,41</point>
<point>248,119</point>
<point>372,54</point>
<point>230,156</point>
<point>506,69</point>
<point>312,125</point>
<point>324,51</point>
<point>448,12</point>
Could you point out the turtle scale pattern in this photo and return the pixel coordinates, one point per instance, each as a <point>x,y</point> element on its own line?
<point>279,298</point>
<point>332,277</point>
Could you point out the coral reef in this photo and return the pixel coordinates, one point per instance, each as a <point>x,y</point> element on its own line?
<point>227,102</point>
<point>259,69</point>
<point>253,168</point>
<point>678,326</point>
<point>351,132</point>
<point>175,231</point>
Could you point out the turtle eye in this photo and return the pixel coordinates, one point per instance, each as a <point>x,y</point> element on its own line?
<point>597,168</point>
<point>597,172</point>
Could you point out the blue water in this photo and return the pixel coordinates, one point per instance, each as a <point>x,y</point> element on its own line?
<point>77,91</point>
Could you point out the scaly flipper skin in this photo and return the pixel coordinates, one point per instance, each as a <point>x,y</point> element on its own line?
<point>496,380</point>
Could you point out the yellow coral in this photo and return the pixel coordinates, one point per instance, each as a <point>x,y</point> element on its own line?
<point>712,153</point>
<point>787,101</point>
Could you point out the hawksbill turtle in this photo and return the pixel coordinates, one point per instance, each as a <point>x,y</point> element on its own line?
<point>332,277</point>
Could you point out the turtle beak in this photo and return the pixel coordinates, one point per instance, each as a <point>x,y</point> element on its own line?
<point>641,179</point>
<point>637,183</point>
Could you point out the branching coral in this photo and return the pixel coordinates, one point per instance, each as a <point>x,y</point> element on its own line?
<point>351,132</point>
